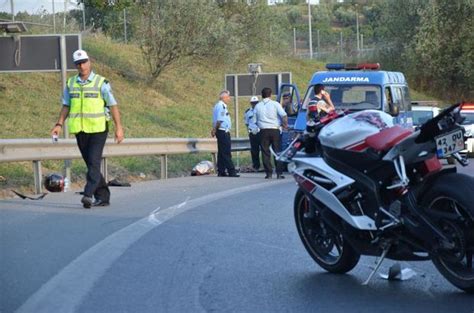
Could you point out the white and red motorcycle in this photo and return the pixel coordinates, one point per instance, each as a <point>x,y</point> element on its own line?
<point>369,187</point>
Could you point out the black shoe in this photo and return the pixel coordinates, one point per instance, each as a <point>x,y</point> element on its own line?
<point>234,175</point>
<point>222,175</point>
<point>279,176</point>
<point>268,176</point>
<point>99,202</point>
<point>86,202</point>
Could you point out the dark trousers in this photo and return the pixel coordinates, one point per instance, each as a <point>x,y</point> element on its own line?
<point>91,147</point>
<point>224,155</point>
<point>270,137</point>
<point>255,149</point>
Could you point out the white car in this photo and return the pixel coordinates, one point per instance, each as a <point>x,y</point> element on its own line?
<point>468,123</point>
<point>422,113</point>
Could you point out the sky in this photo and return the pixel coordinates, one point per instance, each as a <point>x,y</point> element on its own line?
<point>36,6</point>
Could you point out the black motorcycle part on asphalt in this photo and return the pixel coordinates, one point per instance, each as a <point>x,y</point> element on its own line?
<point>403,249</point>
<point>364,183</point>
<point>459,188</point>
<point>348,258</point>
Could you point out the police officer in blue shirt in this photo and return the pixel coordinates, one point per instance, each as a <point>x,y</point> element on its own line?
<point>221,125</point>
<point>254,133</point>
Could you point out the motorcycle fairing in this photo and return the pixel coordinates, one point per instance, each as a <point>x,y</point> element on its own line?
<point>387,138</point>
<point>325,196</point>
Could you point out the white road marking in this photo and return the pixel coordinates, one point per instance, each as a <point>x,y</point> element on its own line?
<point>65,291</point>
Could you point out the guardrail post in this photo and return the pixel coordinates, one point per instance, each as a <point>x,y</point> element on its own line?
<point>103,169</point>
<point>37,173</point>
<point>164,166</point>
<point>214,160</point>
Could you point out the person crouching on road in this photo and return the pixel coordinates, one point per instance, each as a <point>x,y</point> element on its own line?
<point>221,126</point>
<point>87,100</point>
<point>270,116</point>
<point>254,133</point>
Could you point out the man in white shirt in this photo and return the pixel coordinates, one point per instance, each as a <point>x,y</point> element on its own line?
<point>270,116</point>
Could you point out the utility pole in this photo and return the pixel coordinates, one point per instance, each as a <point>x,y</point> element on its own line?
<point>54,18</point>
<point>12,7</point>
<point>83,15</point>
<point>64,16</point>
<point>357,26</point>
<point>125,24</point>
<point>317,35</point>
<point>310,34</point>
<point>294,41</point>
<point>340,44</point>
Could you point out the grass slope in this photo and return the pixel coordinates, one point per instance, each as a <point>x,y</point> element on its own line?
<point>179,104</point>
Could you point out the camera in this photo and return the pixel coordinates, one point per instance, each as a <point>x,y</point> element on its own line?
<point>254,68</point>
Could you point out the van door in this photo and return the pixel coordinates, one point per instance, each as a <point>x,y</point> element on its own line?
<point>289,98</point>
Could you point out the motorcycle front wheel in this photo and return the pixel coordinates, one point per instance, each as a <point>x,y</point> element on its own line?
<point>450,202</point>
<point>327,247</point>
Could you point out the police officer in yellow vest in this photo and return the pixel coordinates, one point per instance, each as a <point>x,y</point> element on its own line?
<point>87,102</point>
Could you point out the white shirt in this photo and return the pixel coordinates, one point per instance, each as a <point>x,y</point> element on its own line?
<point>268,114</point>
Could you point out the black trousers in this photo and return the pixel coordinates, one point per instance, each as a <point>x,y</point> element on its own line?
<point>255,149</point>
<point>224,155</point>
<point>270,137</point>
<point>91,147</point>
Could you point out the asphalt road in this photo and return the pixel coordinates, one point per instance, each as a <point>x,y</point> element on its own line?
<point>194,244</point>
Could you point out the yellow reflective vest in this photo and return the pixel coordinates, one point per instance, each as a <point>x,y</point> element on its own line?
<point>87,107</point>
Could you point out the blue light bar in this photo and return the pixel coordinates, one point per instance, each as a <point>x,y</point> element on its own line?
<point>335,66</point>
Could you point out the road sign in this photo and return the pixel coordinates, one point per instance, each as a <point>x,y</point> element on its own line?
<point>247,85</point>
<point>251,85</point>
<point>32,53</point>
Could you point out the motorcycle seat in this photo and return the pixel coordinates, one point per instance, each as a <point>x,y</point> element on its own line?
<point>387,138</point>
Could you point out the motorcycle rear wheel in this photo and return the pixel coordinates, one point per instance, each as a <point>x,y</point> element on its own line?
<point>453,195</point>
<point>327,247</point>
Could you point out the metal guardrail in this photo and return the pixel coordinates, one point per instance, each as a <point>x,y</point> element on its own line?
<point>37,150</point>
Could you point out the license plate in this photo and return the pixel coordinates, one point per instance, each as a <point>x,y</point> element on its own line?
<point>449,143</point>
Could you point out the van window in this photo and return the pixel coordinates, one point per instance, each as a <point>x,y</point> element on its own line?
<point>397,96</point>
<point>289,101</point>
<point>351,97</point>
<point>469,118</point>
<point>406,98</point>
<point>421,117</point>
<point>388,100</point>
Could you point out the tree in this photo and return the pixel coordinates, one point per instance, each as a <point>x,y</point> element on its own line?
<point>444,49</point>
<point>396,27</point>
<point>106,16</point>
<point>176,29</point>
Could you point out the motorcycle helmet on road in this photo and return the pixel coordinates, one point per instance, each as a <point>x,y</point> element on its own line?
<point>54,183</point>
